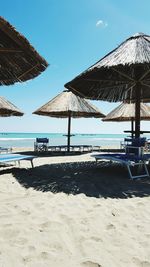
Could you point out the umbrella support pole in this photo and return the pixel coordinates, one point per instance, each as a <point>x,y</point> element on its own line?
<point>137,109</point>
<point>132,128</point>
<point>69,129</point>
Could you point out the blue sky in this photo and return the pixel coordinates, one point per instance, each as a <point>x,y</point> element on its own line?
<point>71,35</point>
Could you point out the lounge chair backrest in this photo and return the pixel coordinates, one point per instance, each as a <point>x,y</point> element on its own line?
<point>136,142</point>
<point>135,146</point>
<point>42,140</point>
<point>139,142</point>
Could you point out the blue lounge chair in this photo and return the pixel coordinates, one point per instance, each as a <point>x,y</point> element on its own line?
<point>128,160</point>
<point>41,144</point>
<point>5,158</point>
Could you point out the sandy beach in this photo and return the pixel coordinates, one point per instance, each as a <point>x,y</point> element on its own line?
<point>67,211</point>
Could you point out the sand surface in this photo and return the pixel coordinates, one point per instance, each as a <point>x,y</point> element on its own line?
<point>68,212</point>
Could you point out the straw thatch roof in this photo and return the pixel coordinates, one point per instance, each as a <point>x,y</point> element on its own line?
<point>19,61</point>
<point>126,112</point>
<point>67,103</point>
<point>8,109</point>
<point>114,77</point>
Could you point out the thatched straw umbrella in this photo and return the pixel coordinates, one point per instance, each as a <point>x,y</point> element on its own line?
<point>122,74</point>
<point>8,109</point>
<point>126,112</point>
<point>67,105</point>
<point>19,61</point>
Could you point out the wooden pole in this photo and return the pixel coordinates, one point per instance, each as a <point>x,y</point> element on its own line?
<point>132,127</point>
<point>69,129</point>
<point>137,109</point>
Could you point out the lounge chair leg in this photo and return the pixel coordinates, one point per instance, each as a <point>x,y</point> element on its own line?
<point>146,174</point>
<point>129,171</point>
<point>18,163</point>
<point>32,163</point>
<point>146,170</point>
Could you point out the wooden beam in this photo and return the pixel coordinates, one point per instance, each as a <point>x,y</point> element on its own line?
<point>69,129</point>
<point>123,74</point>
<point>12,33</point>
<point>19,39</point>
<point>9,50</point>
<point>137,109</point>
<point>27,71</point>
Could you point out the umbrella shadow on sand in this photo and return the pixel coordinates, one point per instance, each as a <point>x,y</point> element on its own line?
<point>104,180</point>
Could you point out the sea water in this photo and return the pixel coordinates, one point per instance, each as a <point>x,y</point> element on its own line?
<point>28,139</point>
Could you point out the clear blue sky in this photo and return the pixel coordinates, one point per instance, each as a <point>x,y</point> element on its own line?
<point>71,35</point>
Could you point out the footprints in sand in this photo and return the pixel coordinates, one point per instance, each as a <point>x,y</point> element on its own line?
<point>110,226</point>
<point>90,264</point>
<point>50,226</point>
<point>96,239</point>
<point>9,233</point>
<point>44,255</point>
<point>140,263</point>
<point>140,204</point>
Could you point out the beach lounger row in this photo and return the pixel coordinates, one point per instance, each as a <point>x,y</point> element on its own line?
<point>42,145</point>
<point>80,148</point>
<point>63,148</point>
<point>73,148</point>
<point>5,149</point>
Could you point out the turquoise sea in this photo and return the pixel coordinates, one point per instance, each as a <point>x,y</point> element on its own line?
<point>27,139</point>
